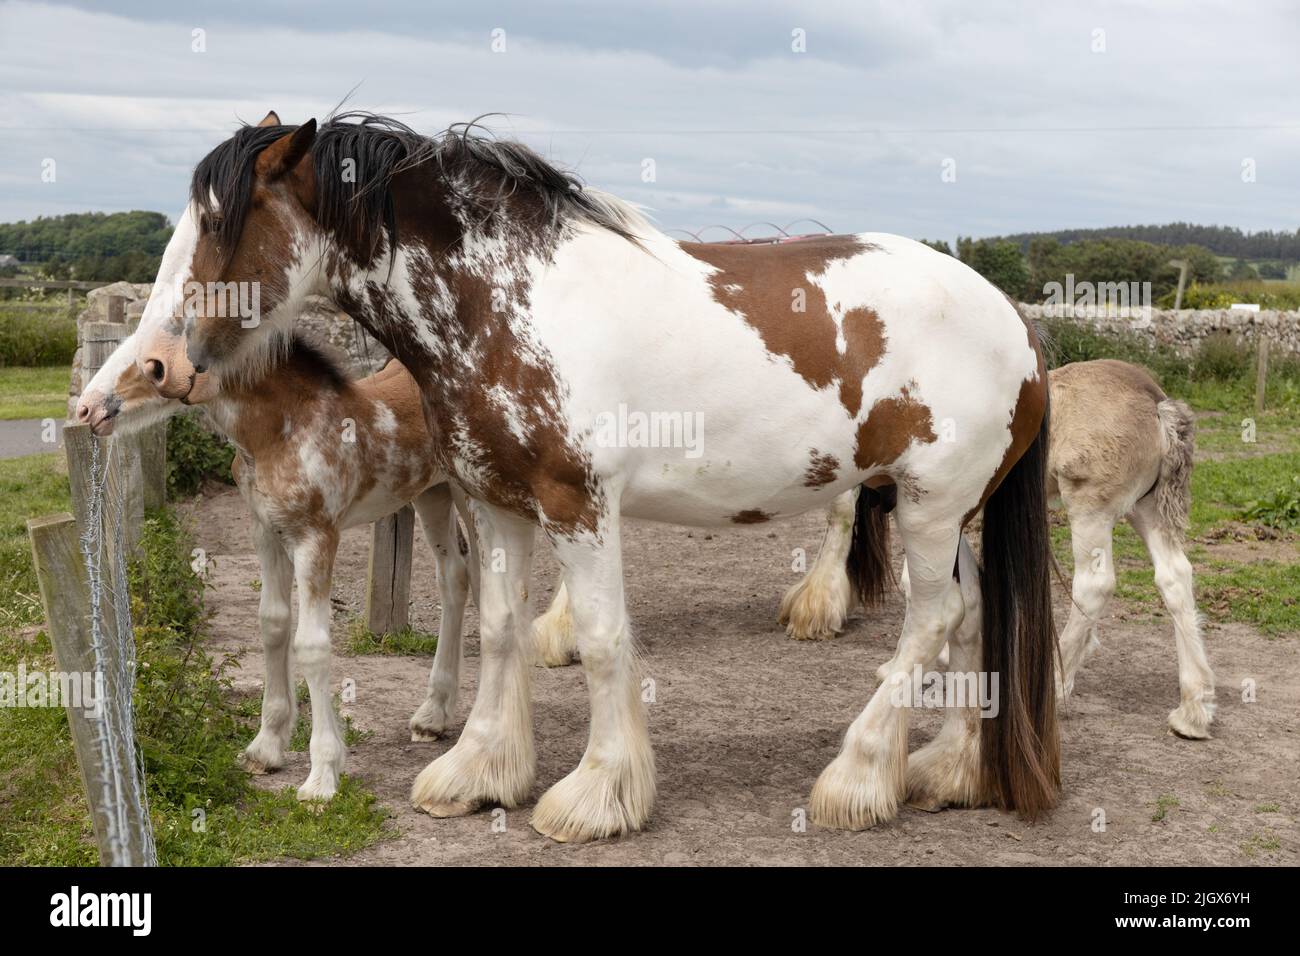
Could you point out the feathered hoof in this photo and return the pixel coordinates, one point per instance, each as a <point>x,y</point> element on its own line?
<point>815,607</point>
<point>1191,720</point>
<point>430,721</point>
<point>945,773</point>
<point>553,638</point>
<point>596,804</point>
<point>848,796</point>
<point>464,779</point>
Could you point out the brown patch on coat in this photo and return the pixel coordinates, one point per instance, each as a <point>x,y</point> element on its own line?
<point>822,469</point>
<point>535,470</point>
<point>758,282</point>
<point>1026,418</point>
<point>751,516</point>
<point>132,388</point>
<point>890,428</point>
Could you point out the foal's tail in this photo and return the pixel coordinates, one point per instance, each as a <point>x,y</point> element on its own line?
<point>868,567</point>
<point>1174,486</point>
<point>1020,747</point>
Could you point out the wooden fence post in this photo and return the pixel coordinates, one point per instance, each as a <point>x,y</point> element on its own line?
<point>122,480</point>
<point>145,454</point>
<point>153,465</point>
<point>98,342</point>
<point>1261,372</point>
<point>105,755</point>
<point>388,581</point>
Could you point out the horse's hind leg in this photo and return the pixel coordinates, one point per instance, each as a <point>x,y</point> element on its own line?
<point>815,606</point>
<point>279,707</point>
<point>438,519</point>
<point>1193,715</point>
<point>612,789</point>
<point>863,785</point>
<point>1091,533</point>
<point>946,772</point>
<point>494,760</point>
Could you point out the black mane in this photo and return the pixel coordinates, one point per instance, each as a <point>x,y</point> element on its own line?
<point>318,362</point>
<point>480,170</point>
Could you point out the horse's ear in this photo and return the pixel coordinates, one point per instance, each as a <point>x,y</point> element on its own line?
<point>271,119</point>
<point>287,152</point>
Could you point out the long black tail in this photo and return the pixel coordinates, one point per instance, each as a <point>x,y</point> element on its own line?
<point>1020,747</point>
<point>868,566</point>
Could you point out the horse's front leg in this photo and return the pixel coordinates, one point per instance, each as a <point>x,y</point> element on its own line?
<point>493,762</point>
<point>438,519</point>
<point>613,788</point>
<point>314,571</point>
<point>279,707</point>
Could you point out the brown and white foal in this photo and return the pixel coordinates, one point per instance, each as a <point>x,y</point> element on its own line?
<point>317,453</point>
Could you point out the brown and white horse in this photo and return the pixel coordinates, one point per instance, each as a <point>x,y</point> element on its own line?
<point>317,453</point>
<point>538,318</point>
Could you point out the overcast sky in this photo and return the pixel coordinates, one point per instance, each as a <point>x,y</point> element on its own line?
<point>1046,115</point>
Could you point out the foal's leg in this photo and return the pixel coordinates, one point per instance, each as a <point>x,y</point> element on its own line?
<point>815,606</point>
<point>553,632</point>
<point>1094,584</point>
<point>946,771</point>
<point>279,704</point>
<point>493,761</point>
<point>1192,717</point>
<point>438,519</point>
<point>612,790</point>
<point>314,570</point>
<point>863,784</point>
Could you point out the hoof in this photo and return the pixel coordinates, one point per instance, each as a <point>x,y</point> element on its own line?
<point>815,608</point>
<point>431,720</point>
<point>465,778</point>
<point>848,796</point>
<point>596,804</point>
<point>319,788</point>
<point>553,638</point>
<point>1191,720</point>
<point>261,757</point>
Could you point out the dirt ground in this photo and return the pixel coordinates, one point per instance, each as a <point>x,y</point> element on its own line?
<point>744,720</point>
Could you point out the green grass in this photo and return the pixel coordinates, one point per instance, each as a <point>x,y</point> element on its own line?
<point>189,723</point>
<point>1260,843</point>
<point>407,642</point>
<point>1164,803</point>
<point>34,392</point>
<point>30,487</point>
<point>37,337</point>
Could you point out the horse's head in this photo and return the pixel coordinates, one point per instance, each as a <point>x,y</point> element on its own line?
<point>119,396</point>
<point>241,260</point>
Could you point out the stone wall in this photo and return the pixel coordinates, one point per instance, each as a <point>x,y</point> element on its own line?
<point>1184,329</point>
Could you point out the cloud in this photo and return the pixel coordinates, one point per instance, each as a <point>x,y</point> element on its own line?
<point>1042,129</point>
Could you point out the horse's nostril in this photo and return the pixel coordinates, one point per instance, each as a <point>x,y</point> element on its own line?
<point>83,412</point>
<point>155,370</point>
